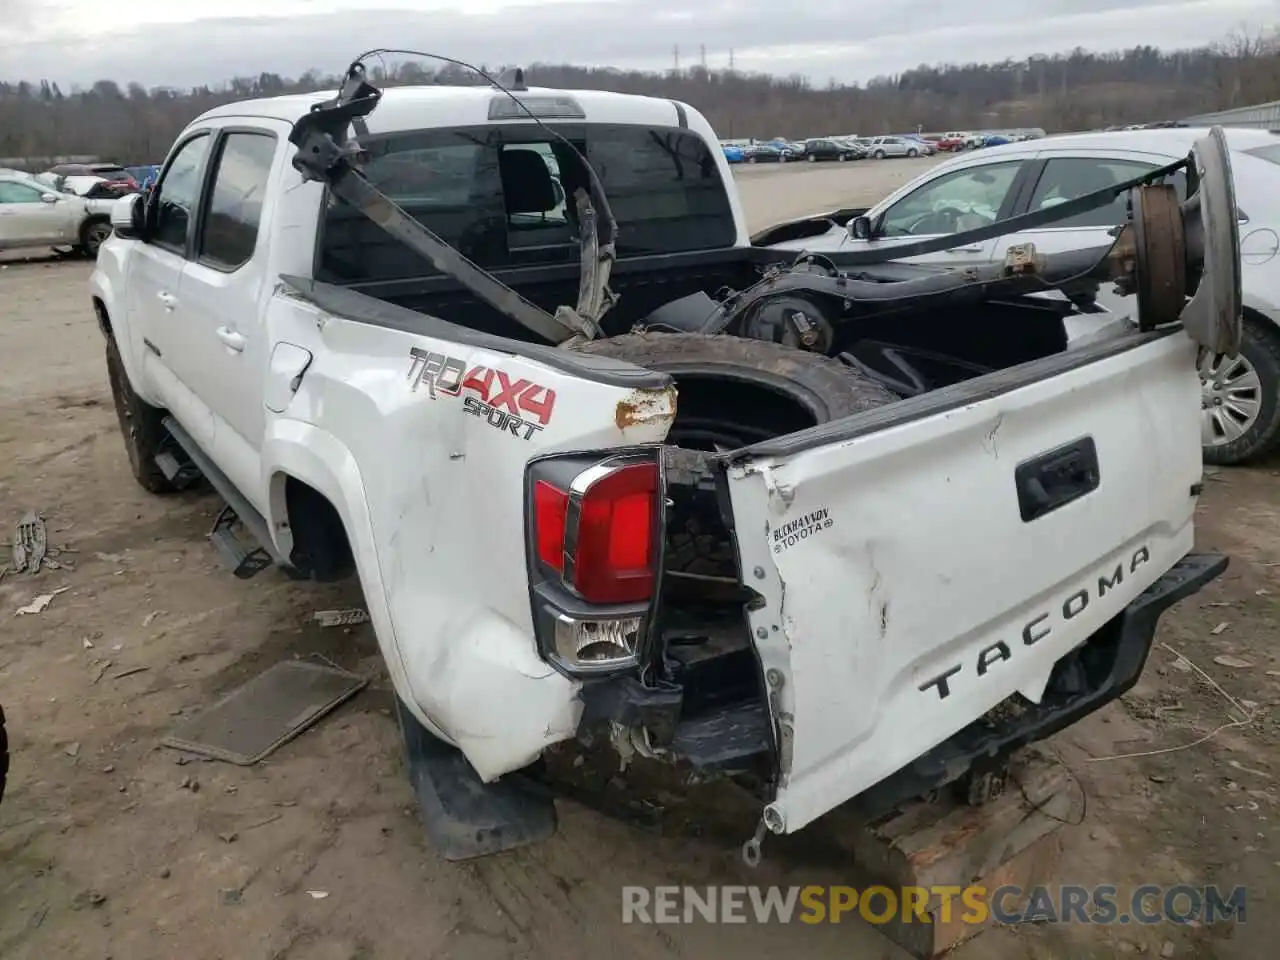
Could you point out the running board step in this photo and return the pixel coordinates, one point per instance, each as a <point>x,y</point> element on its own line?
<point>243,560</point>
<point>181,474</point>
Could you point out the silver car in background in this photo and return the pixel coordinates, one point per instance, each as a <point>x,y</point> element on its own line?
<point>881,147</point>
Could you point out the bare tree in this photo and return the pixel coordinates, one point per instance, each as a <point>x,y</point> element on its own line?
<point>1071,91</point>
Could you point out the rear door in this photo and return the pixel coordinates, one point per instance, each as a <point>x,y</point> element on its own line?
<point>223,287</point>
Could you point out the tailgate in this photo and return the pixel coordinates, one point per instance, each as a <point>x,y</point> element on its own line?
<point>921,563</point>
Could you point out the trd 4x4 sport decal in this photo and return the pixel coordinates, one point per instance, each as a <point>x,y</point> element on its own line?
<point>519,407</point>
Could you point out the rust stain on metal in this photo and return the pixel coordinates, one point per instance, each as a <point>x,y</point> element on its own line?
<point>1023,260</point>
<point>642,407</point>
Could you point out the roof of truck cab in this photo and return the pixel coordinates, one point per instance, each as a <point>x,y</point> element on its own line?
<point>423,107</point>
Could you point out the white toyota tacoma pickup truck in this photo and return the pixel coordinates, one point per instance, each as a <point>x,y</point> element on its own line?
<point>840,529</point>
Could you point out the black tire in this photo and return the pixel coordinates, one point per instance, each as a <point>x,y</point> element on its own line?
<point>4,754</point>
<point>813,158</point>
<point>141,424</point>
<point>1261,348</point>
<point>879,154</point>
<point>826,390</point>
<point>93,232</point>
<point>913,153</point>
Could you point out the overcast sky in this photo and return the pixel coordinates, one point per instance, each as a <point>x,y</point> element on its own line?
<point>208,41</point>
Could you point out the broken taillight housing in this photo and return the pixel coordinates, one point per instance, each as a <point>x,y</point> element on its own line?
<point>595,536</point>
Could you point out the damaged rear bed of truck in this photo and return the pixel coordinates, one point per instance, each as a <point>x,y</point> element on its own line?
<point>955,549</point>
<point>899,597</point>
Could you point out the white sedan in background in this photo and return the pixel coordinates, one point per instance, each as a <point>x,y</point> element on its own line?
<point>34,215</point>
<point>1241,398</point>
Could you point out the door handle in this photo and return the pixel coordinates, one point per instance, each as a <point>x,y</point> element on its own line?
<point>168,300</point>
<point>965,249</point>
<point>231,339</point>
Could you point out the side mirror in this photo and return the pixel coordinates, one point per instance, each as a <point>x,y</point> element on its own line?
<point>859,228</point>
<point>128,216</point>
<point>49,198</point>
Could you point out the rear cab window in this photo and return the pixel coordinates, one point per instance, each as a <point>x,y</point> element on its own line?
<point>504,196</point>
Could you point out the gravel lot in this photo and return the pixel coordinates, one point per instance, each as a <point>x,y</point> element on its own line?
<point>109,848</point>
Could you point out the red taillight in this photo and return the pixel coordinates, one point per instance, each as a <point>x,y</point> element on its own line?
<point>550,506</point>
<point>613,562</point>
<point>611,536</point>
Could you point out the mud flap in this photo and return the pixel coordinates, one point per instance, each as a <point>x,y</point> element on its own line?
<point>464,817</point>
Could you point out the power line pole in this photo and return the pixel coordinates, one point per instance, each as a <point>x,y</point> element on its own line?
<point>675,55</point>
<point>702,56</point>
<point>731,59</point>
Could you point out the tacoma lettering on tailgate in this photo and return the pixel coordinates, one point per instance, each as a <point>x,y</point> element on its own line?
<point>1041,625</point>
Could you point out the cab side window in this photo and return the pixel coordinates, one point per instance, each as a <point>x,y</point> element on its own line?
<point>175,196</point>
<point>233,208</point>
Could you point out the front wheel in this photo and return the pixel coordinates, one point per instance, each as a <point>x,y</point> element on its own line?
<point>843,157</point>
<point>1240,397</point>
<point>913,152</point>
<point>93,235</point>
<point>879,154</point>
<point>812,158</point>
<point>141,424</point>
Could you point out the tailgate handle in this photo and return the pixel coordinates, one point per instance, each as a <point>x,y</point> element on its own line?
<point>1056,477</point>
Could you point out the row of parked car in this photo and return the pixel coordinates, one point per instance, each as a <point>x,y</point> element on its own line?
<point>826,148</point>
<point>851,147</point>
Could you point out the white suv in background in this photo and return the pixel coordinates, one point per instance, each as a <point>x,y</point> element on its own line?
<point>1241,398</point>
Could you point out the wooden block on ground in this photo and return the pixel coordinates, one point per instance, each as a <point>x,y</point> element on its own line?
<point>1010,840</point>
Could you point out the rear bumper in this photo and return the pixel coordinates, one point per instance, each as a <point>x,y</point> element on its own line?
<point>1105,667</point>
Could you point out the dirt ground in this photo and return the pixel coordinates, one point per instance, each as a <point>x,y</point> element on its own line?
<point>109,847</point>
